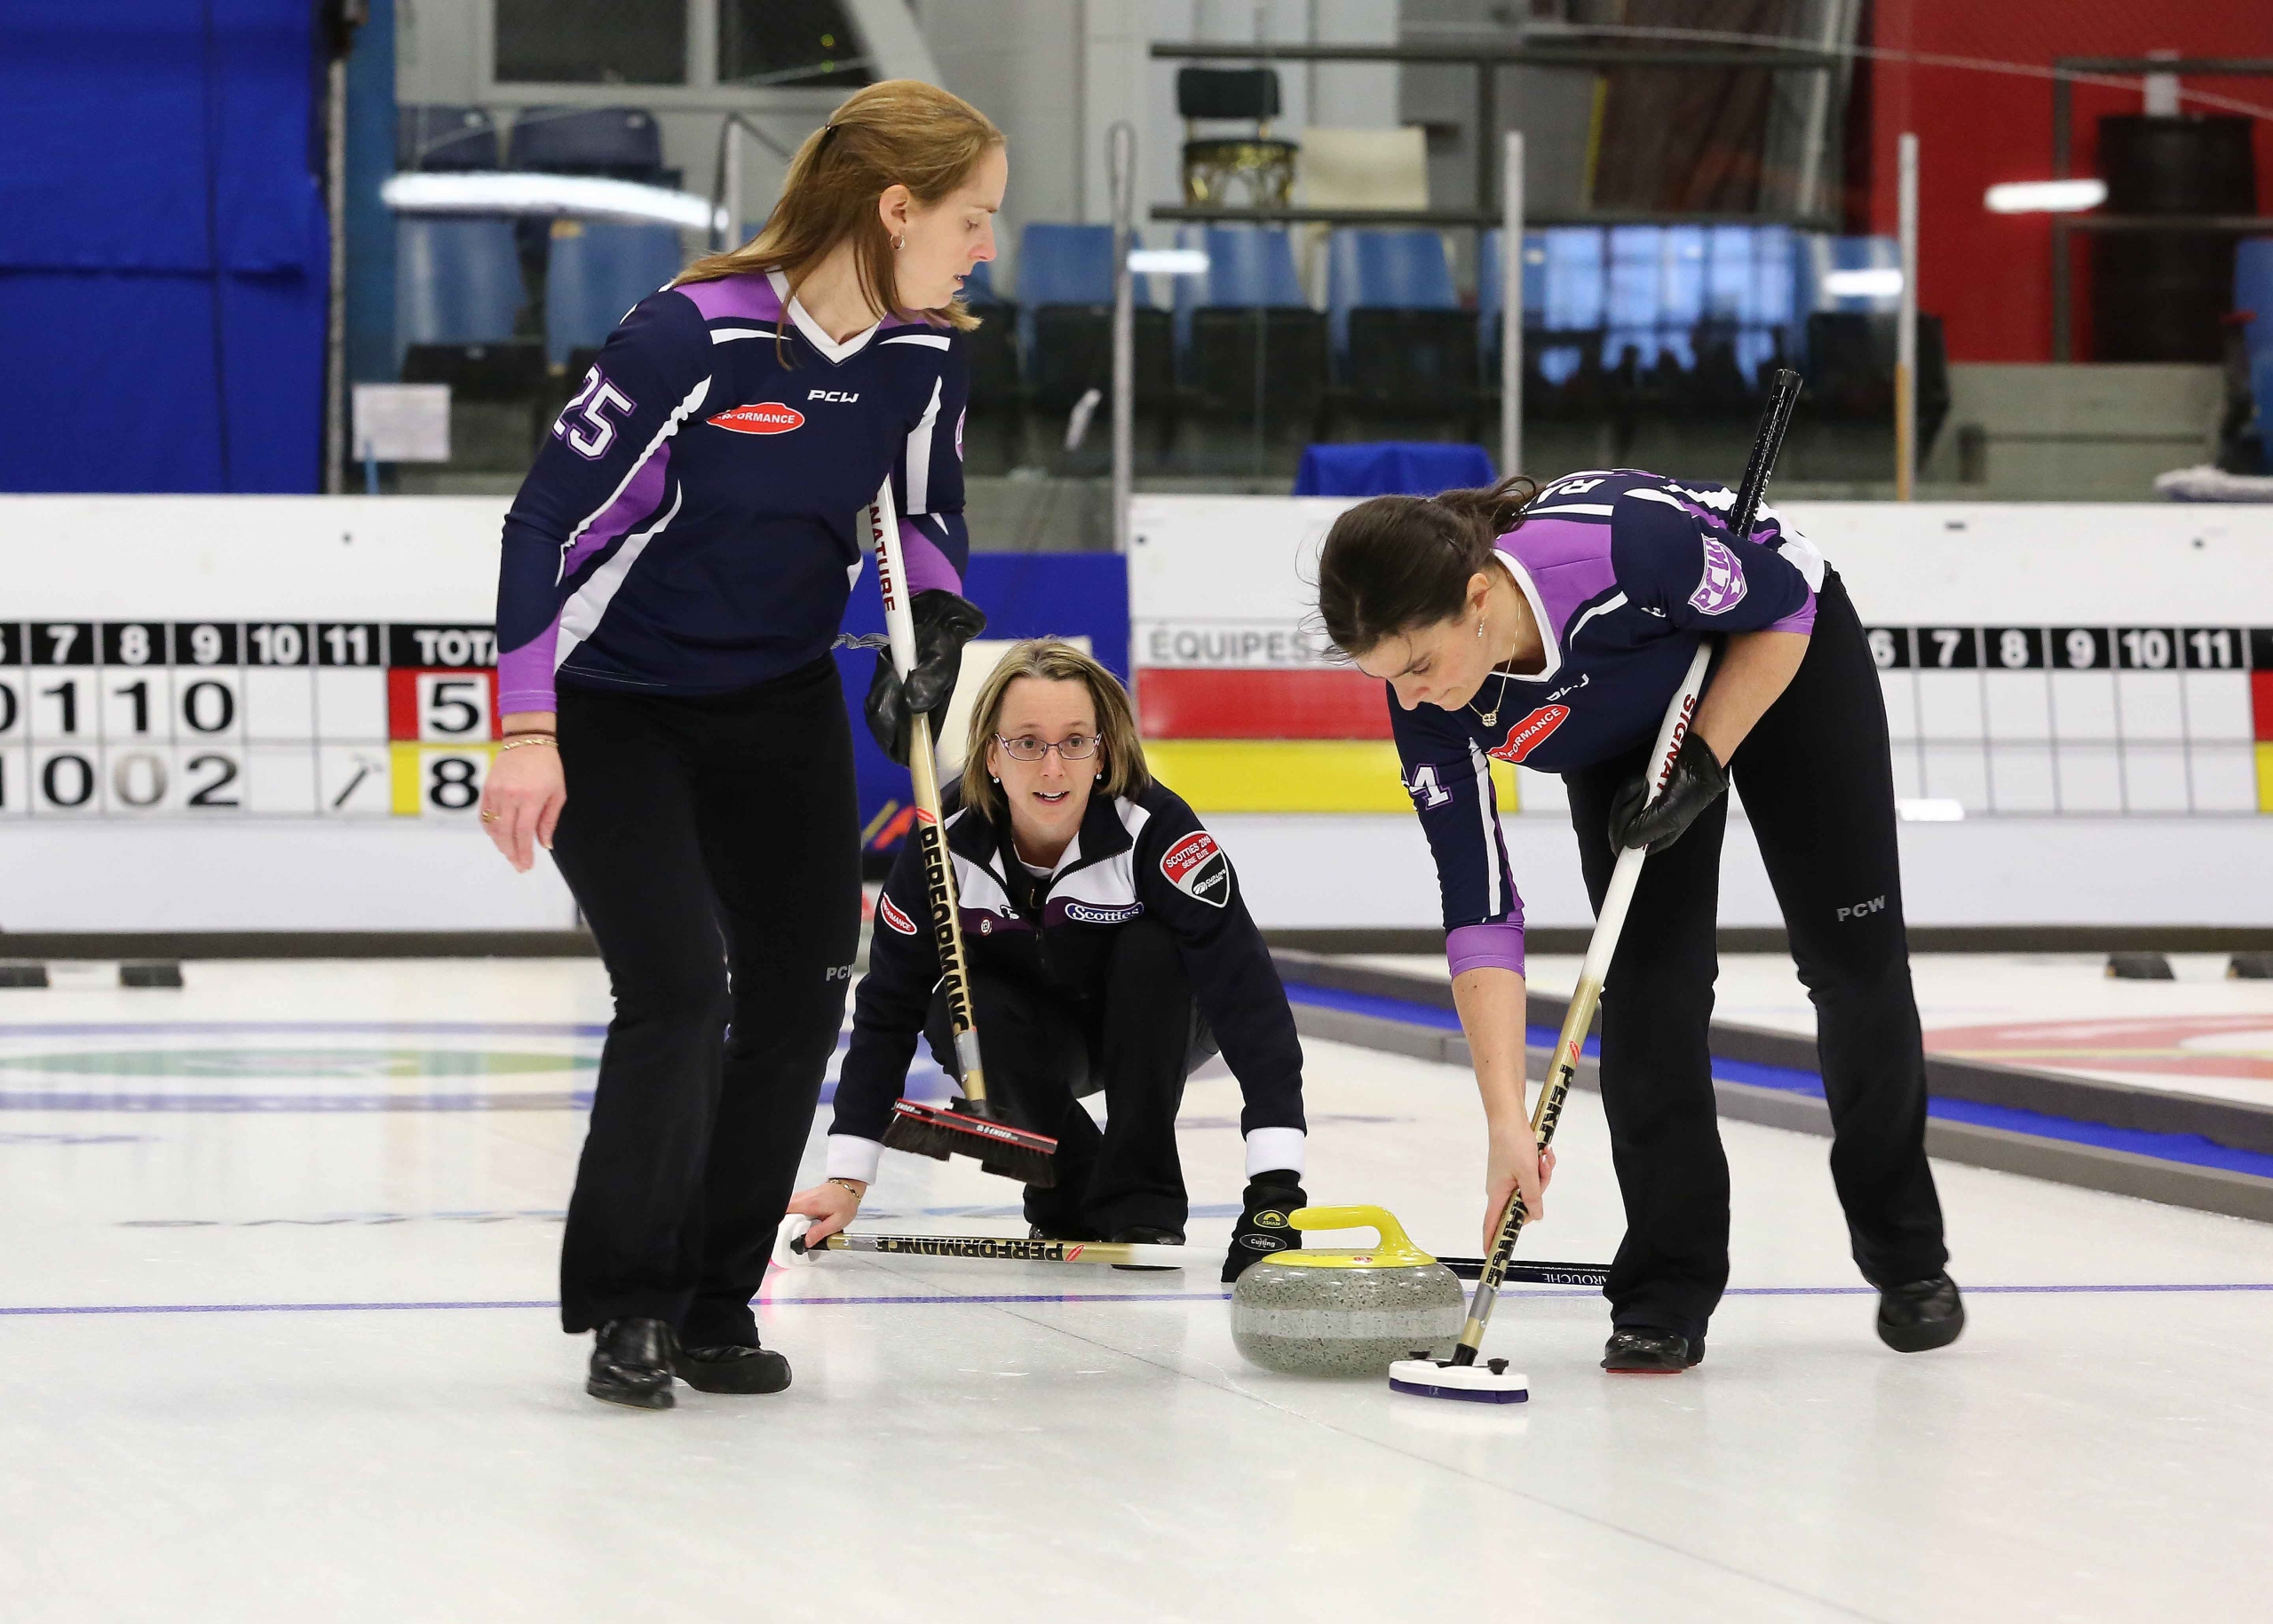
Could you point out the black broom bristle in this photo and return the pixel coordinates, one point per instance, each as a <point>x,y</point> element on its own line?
<point>965,1129</point>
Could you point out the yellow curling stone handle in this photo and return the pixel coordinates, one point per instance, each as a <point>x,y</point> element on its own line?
<point>1393,1250</point>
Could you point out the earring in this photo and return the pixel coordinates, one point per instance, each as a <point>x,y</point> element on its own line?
<point>900,240</point>
<point>1479,626</point>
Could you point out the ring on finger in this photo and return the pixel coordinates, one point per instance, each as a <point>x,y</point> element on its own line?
<point>487,816</point>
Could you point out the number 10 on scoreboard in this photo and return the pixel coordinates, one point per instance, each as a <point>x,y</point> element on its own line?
<point>442,726</point>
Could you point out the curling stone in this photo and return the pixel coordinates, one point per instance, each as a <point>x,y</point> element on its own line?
<point>1353,1314</point>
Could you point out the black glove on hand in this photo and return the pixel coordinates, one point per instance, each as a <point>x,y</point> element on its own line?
<point>944,623</point>
<point>1262,1227</point>
<point>1699,779</point>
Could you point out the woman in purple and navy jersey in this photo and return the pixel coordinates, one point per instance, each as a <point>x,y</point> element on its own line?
<point>1552,627</point>
<point>675,571</point>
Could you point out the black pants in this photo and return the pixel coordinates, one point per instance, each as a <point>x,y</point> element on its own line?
<point>714,846</point>
<point>1820,792</point>
<point>1137,1039</point>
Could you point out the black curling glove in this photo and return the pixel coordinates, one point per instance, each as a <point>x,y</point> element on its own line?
<point>944,623</point>
<point>1699,779</point>
<point>1262,1227</point>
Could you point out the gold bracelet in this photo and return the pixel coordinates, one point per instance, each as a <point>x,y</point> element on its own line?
<point>514,741</point>
<point>851,1184</point>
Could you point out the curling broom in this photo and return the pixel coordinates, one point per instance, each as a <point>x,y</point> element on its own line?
<point>968,1126</point>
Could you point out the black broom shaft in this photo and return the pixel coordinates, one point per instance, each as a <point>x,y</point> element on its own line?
<point>1767,446</point>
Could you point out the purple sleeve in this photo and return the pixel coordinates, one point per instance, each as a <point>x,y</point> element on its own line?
<point>1496,946</point>
<point>923,544</point>
<point>927,479</point>
<point>1800,619</point>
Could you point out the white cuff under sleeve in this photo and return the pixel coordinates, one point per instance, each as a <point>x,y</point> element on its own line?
<point>1269,1150</point>
<point>855,1158</point>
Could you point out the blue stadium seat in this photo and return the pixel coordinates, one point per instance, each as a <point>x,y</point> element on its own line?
<point>1064,311</point>
<point>1750,288</point>
<point>1384,270</point>
<point>1065,265</point>
<point>2253,294</point>
<point>435,137</point>
<point>1252,348</point>
<point>1249,267</point>
<point>599,270</point>
<point>1488,280</point>
<point>457,279</point>
<point>621,142</point>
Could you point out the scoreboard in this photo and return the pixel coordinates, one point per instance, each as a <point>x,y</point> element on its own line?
<point>2036,662</point>
<point>217,719</point>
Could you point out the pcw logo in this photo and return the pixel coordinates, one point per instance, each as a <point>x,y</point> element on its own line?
<point>1861,909</point>
<point>1424,788</point>
<point>846,396</point>
<point>1721,588</point>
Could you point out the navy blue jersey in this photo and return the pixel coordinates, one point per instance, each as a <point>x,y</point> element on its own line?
<point>1136,856</point>
<point>1625,572</point>
<point>692,524</point>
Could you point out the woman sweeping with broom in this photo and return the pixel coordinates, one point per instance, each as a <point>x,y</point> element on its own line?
<point>1550,627</point>
<point>675,571</point>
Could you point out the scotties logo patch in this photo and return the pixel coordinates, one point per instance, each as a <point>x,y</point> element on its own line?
<point>1196,866</point>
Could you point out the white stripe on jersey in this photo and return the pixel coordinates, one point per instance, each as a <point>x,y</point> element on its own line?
<point>1599,510</point>
<point>592,599</point>
<point>938,341</point>
<point>727,335</point>
<point>1606,606</point>
<point>670,427</point>
<point>919,453</point>
<point>1482,766</point>
<point>580,616</point>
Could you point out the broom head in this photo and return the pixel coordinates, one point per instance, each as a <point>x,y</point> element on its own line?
<point>966,1129</point>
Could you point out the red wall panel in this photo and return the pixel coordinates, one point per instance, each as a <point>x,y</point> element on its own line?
<point>1978,90</point>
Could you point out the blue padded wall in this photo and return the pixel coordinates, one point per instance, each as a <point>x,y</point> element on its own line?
<point>162,246</point>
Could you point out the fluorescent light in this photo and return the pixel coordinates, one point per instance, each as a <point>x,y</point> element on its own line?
<point>1929,809</point>
<point>1883,282</point>
<point>1168,261</point>
<point>2045,196</point>
<point>513,193</point>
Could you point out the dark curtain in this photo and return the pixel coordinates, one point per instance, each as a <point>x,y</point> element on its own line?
<point>1690,139</point>
<point>162,246</point>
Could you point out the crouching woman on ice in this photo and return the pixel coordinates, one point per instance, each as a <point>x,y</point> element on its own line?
<point>1109,949</point>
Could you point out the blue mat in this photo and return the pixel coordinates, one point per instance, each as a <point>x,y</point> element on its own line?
<point>1391,468</point>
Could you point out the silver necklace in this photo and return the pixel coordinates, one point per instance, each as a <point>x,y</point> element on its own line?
<point>1491,718</point>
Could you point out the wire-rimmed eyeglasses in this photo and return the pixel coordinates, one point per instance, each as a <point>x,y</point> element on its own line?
<point>1025,747</point>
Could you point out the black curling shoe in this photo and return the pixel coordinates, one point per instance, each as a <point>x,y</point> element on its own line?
<point>1641,1351</point>
<point>1145,1234</point>
<point>732,1368</point>
<point>631,1363</point>
<point>1923,1315</point>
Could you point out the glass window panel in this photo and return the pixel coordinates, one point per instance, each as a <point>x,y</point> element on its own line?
<point>592,41</point>
<point>788,41</point>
